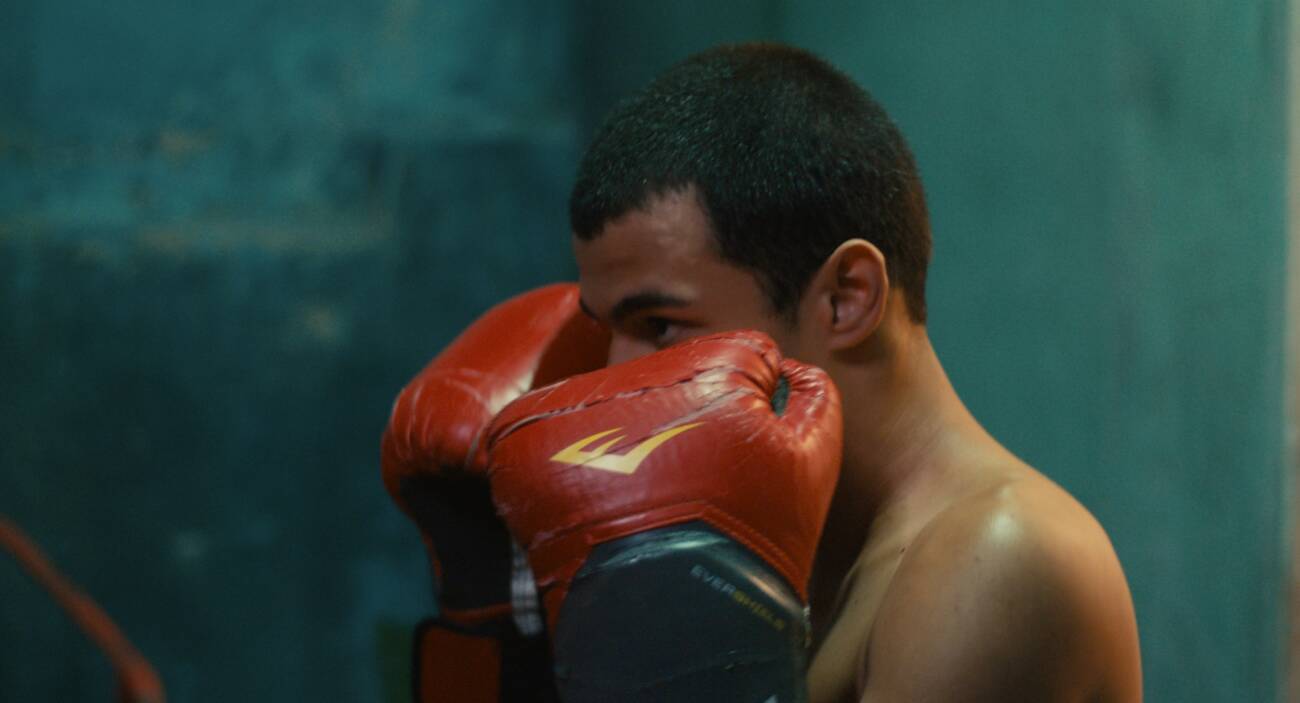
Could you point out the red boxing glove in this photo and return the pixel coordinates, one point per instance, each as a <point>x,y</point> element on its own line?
<point>474,652</point>
<point>671,507</point>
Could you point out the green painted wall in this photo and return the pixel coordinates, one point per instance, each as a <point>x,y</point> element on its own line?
<point>229,232</point>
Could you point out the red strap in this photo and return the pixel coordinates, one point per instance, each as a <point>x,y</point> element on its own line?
<point>452,667</point>
<point>137,681</point>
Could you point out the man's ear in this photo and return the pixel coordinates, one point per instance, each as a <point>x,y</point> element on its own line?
<point>846,298</point>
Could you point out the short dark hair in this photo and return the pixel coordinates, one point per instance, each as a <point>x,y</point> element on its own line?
<point>788,156</point>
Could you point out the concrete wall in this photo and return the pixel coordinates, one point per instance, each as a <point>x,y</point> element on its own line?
<point>229,233</point>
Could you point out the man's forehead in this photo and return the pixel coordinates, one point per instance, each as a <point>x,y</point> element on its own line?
<point>621,265</point>
<point>643,249</point>
<point>620,273</point>
<point>672,220</point>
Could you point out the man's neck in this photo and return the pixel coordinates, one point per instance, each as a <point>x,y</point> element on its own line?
<point>902,420</point>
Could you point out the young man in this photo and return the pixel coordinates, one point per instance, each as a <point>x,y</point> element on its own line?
<point>755,187</point>
<point>676,493</point>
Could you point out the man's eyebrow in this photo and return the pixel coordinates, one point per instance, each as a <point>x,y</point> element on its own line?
<point>635,303</point>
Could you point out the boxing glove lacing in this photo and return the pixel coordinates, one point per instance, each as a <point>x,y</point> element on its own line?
<point>523,593</point>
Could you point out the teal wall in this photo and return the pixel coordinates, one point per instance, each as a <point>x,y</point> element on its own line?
<point>229,232</point>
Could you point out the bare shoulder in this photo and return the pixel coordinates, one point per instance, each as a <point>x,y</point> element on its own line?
<point>1010,590</point>
<point>1025,527</point>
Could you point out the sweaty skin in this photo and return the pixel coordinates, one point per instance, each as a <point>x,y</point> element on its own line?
<point>949,570</point>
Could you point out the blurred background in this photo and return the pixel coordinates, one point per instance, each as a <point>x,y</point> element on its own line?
<point>229,232</point>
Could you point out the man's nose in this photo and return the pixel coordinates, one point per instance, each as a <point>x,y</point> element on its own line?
<point>623,348</point>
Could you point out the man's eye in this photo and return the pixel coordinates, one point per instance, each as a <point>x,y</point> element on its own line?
<point>658,328</point>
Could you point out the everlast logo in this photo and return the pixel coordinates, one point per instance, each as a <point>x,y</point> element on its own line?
<point>577,453</point>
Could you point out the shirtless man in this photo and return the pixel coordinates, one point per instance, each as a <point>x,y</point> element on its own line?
<point>756,188</point>
<point>780,198</point>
